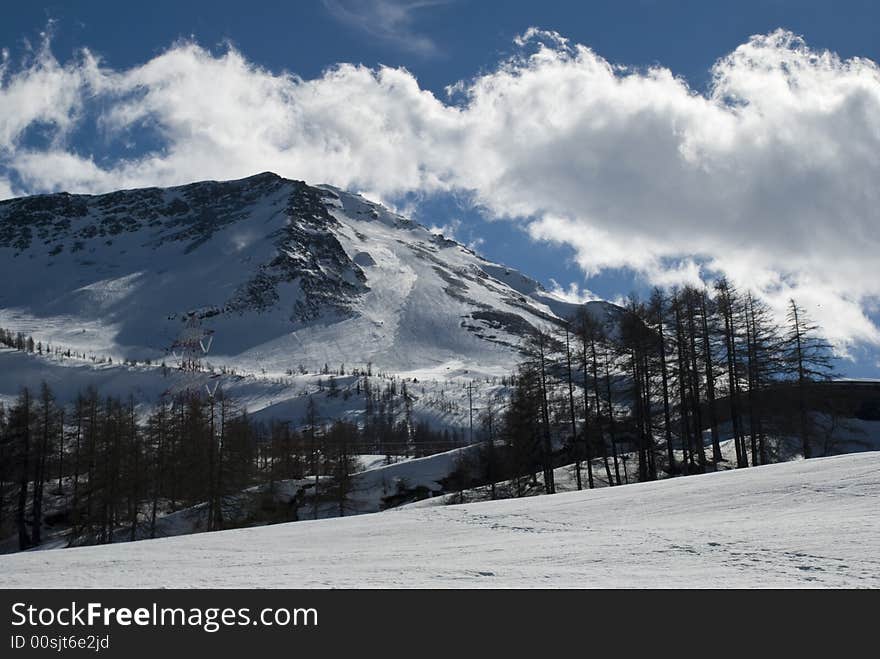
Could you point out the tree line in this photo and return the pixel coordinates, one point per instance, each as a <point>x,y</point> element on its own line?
<point>660,382</point>
<point>663,381</point>
<point>112,470</point>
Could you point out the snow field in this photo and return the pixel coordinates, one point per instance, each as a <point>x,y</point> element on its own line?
<point>799,524</point>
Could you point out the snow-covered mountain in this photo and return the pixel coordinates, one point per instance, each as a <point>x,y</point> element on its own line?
<point>278,273</point>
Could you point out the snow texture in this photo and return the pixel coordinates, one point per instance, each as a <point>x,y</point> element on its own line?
<point>807,523</point>
<point>281,274</point>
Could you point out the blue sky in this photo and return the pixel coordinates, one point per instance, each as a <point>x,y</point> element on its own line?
<point>307,36</point>
<point>441,43</point>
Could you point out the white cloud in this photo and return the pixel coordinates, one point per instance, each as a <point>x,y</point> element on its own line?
<point>449,230</point>
<point>770,177</point>
<point>388,20</point>
<point>572,293</point>
<point>475,244</point>
<point>46,94</point>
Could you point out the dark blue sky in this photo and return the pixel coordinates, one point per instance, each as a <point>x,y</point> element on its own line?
<point>467,37</point>
<point>304,37</point>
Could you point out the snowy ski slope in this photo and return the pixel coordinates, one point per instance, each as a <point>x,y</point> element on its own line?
<point>798,524</point>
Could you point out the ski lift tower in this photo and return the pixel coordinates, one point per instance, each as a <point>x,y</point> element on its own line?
<point>192,342</point>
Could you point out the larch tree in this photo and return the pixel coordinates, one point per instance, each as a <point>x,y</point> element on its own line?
<point>809,359</point>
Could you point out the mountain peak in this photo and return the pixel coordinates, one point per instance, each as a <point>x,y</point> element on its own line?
<point>264,176</point>
<point>279,271</point>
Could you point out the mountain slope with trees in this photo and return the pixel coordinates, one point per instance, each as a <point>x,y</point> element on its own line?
<point>223,354</point>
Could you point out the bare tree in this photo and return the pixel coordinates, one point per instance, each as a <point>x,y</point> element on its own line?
<point>809,357</point>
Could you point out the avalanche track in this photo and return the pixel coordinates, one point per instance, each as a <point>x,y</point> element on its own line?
<point>799,524</point>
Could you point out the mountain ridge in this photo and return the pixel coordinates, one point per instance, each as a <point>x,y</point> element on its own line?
<point>278,271</point>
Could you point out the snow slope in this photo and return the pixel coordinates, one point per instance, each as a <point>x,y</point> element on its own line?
<point>281,274</point>
<point>440,402</point>
<point>798,524</point>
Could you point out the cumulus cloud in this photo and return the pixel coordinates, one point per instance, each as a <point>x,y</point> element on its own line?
<point>769,177</point>
<point>44,93</point>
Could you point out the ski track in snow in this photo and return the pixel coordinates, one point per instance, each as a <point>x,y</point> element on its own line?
<point>798,524</point>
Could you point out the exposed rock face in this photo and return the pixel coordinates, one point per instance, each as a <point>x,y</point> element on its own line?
<point>281,271</point>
